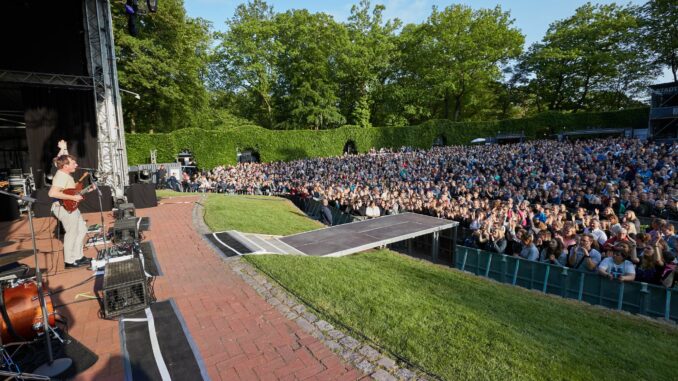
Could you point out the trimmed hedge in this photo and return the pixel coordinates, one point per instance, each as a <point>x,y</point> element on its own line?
<point>216,147</point>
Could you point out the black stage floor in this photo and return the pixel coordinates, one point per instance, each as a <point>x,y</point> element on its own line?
<point>359,236</point>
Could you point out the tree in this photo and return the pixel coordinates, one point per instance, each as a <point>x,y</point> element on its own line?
<point>309,61</point>
<point>660,21</point>
<point>594,59</point>
<point>453,57</point>
<point>244,63</point>
<point>369,57</point>
<point>166,64</point>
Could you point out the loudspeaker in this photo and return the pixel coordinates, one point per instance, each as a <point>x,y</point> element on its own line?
<point>142,195</point>
<point>125,210</point>
<point>125,289</point>
<point>43,207</point>
<point>126,230</point>
<point>91,202</point>
<point>9,208</point>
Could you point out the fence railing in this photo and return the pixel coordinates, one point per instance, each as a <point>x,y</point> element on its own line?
<point>635,297</point>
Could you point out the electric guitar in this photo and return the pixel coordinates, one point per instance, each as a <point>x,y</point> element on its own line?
<point>71,205</point>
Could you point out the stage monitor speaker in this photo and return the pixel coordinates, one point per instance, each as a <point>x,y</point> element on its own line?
<point>125,289</point>
<point>125,210</point>
<point>9,208</point>
<point>91,202</point>
<point>142,195</point>
<point>43,207</point>
<point>126,230</point>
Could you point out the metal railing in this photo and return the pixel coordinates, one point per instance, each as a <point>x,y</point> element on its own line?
<point>635,297</point>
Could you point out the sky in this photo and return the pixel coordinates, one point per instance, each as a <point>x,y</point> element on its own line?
<point>532,17</point>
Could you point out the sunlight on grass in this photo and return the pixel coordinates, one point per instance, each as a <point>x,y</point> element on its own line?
<point>464,327</point>
<point>256,214</point>
<point>167,193</point>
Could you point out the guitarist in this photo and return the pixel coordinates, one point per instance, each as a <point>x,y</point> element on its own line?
<point>73,223</point>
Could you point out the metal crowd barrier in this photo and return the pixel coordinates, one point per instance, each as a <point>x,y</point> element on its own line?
<point>635,297</point>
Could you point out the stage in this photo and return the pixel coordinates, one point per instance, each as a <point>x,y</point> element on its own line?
<point>235,332</point>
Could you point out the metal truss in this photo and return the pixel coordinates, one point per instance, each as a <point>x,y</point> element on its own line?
<point>47,79</point>
<point>112,153</point>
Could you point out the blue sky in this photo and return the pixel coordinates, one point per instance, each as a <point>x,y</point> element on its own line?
<point>532,17</point>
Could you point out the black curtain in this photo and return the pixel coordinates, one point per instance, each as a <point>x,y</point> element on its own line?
<point>55,114</point>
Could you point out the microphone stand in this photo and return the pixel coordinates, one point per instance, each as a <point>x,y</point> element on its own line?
<point>53,367</point>
<point>101,210</point>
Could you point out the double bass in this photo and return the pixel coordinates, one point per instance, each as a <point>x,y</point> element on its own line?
<point>70,205</point>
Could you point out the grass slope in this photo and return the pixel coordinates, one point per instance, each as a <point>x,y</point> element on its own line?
<point>464,327</point>
<point>167,193</point>
<point>256,214</point>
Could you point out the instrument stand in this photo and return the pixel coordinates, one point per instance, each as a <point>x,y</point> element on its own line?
<point>101,211</point>
<point>53,367</point>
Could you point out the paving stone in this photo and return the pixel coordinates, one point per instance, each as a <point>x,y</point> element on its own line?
<point>405,374</point>
<point>273,301</point>
<point>333,345</point>
<point>365,366</point>
<point>382,375</point>
<point>306,325</point>
<point>336,334</point>
<point>370,353</point>
<point>309,316</point>
<point>386,363</point>
<point>325,326</point>
<point>351,356</point>
<point>349,342</point>
<point>299,308</point>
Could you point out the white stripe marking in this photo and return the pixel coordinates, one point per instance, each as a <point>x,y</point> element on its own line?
<point>222,242</point>
<point>157,353</point>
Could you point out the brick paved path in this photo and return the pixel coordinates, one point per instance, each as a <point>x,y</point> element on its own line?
<point>238,334</point>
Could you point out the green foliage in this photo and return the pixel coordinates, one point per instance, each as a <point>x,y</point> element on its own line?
<point>463,327</point>
<point>660,21</point>
<point>219,146</point>
<point>593,60</point>
<point>451,59</point>
<point>165,64</point>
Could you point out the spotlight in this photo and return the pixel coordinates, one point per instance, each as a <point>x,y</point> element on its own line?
<point>145,176</point>
<point>152,5</point>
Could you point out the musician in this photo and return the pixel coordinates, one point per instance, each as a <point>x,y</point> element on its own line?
<point>73,223</point>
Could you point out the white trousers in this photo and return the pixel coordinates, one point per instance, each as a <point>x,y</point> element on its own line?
<point>76,229</point>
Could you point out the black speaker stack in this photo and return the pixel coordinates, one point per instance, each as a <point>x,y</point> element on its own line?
<point>127,286</point>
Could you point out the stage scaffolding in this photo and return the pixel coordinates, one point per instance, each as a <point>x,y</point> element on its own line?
<point>112,153</point>
<point>102,78</point>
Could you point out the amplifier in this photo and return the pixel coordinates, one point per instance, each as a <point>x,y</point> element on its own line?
<point>125,211</point>
<point>125,288</point>
<point>126,230</point>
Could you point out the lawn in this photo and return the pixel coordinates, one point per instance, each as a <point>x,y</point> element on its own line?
<point>460,326</point>
<point>256,214</point>
<point>452,324</point>
<point>167,193</point>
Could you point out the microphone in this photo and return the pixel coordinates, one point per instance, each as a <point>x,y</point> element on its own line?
<point>89,169</point>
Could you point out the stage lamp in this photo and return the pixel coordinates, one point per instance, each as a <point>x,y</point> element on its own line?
<point>137,96</point>
<point>145,176</point>
<point>152,5</point>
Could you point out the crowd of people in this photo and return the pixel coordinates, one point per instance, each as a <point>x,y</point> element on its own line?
<point>573,203</point>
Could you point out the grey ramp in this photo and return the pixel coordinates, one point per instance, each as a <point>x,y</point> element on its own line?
<point>271,244</point>
<point>358,236</point>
